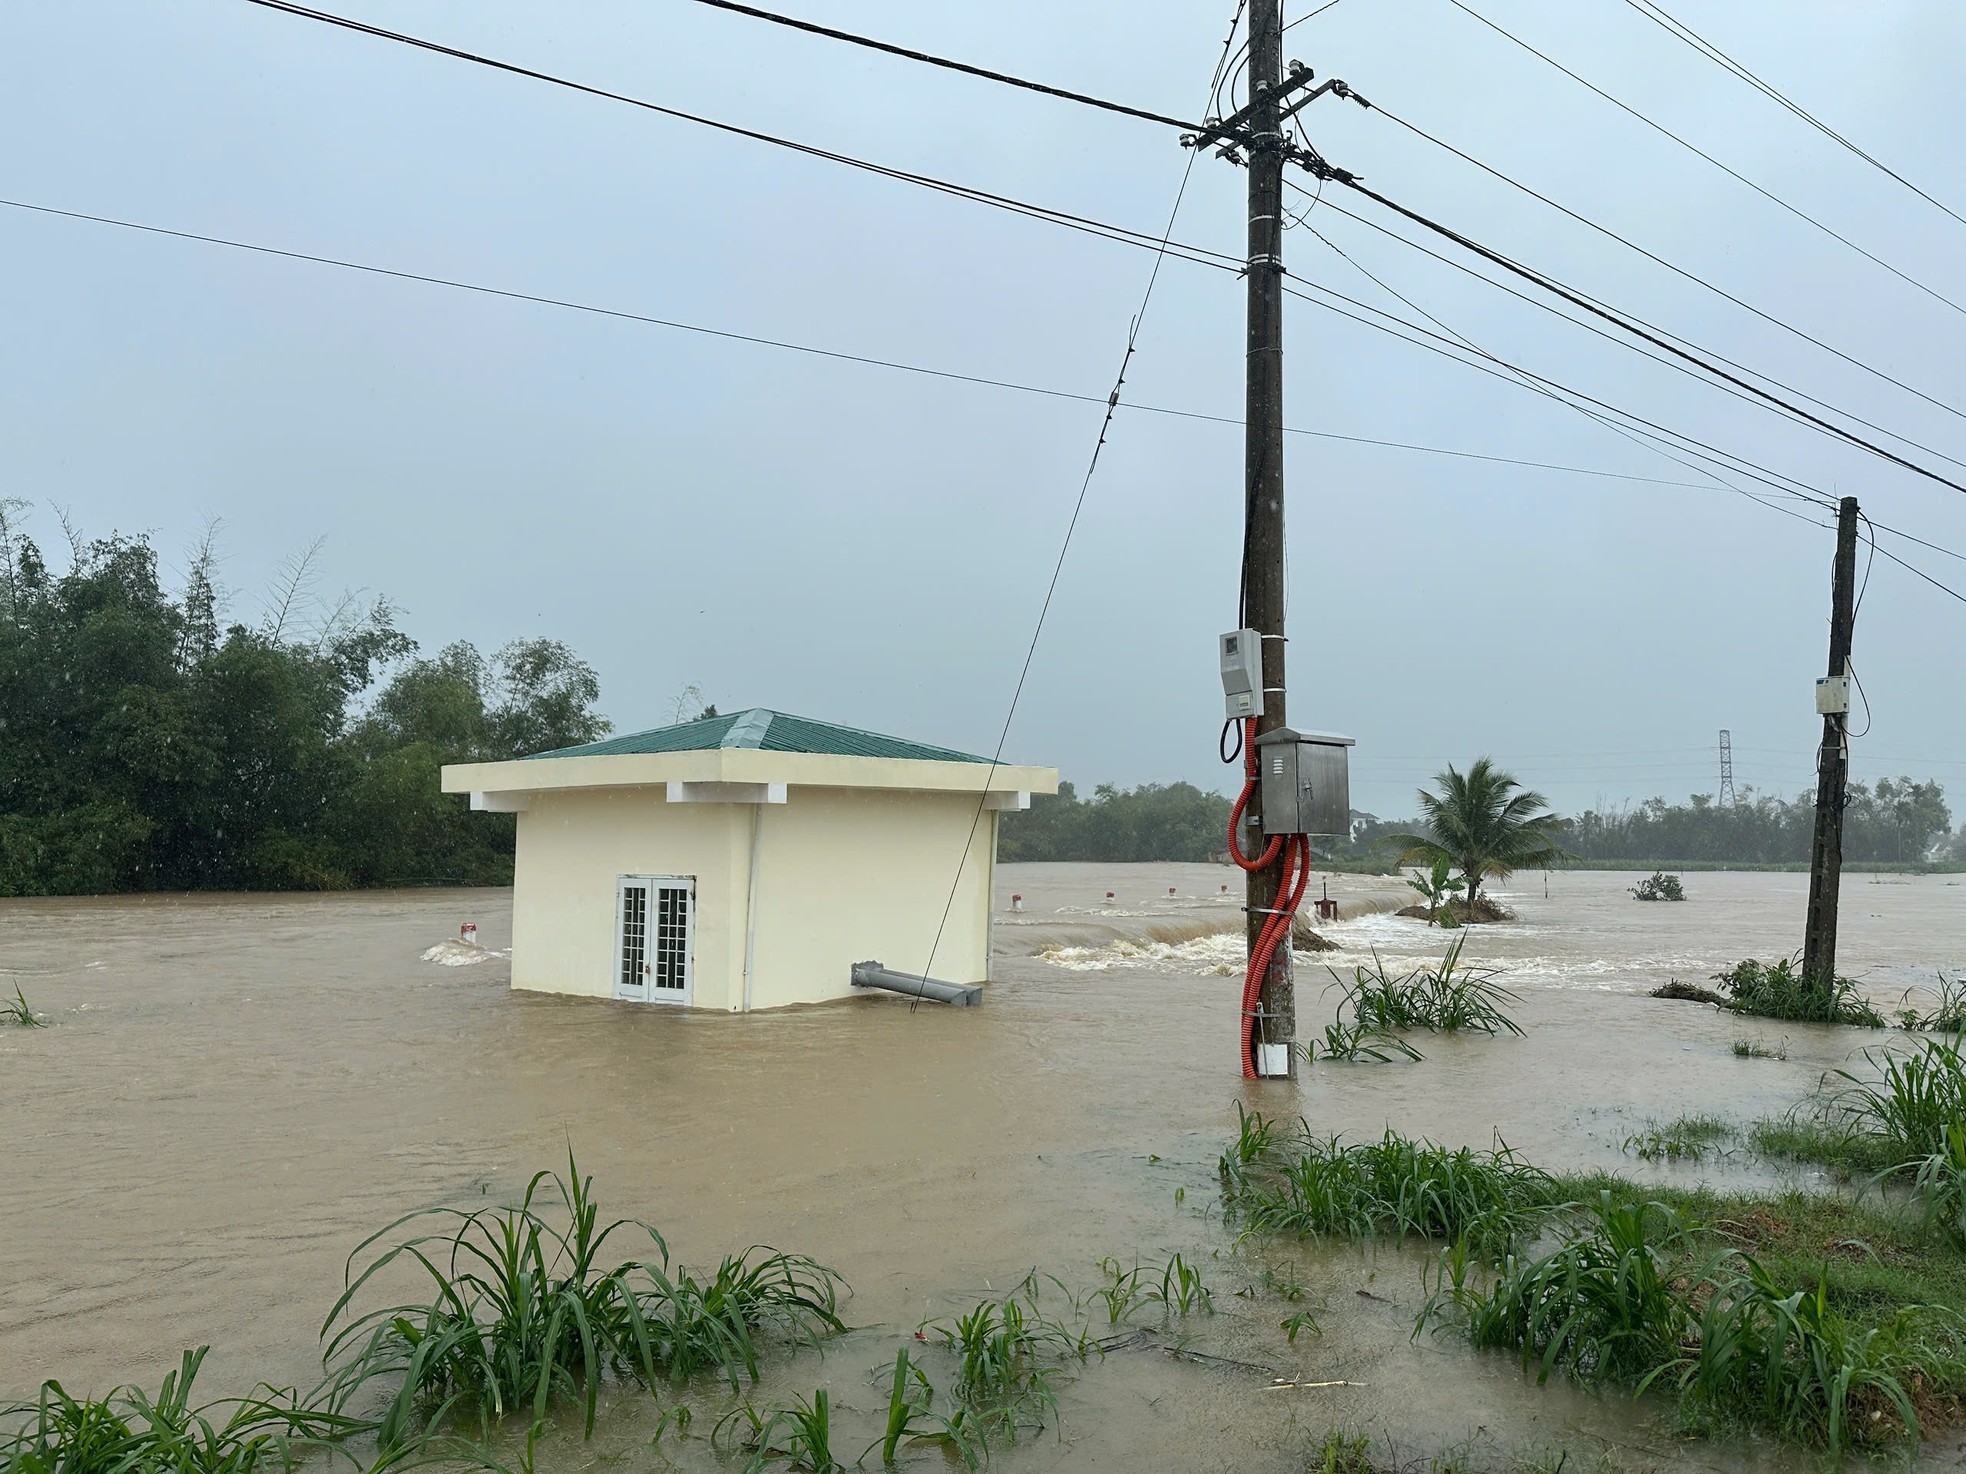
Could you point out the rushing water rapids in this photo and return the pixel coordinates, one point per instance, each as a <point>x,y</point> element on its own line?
<point>235,1091</point>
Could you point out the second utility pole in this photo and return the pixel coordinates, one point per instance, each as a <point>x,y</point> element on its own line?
<point>1832,767</point>
<point>1262,548</point>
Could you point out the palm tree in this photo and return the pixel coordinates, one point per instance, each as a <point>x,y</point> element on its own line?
<point>1483,822</point>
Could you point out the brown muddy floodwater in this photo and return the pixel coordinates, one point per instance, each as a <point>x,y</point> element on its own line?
<point>236,1090</point>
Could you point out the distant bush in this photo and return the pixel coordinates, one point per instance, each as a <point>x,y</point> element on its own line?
<point>1659,886</point>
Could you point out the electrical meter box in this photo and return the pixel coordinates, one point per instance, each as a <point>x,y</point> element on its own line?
<point>1306,778</point>
<point>1833,696</point>
<point>1242,673</point>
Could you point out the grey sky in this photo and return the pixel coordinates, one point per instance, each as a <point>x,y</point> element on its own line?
<point>871,547</point>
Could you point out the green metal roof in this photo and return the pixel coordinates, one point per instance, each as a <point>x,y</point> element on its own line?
<point>767,731</point>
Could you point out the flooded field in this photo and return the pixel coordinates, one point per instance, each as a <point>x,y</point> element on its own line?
<point>235,1091</point>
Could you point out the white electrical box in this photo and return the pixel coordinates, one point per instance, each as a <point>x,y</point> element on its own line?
<point>1833,696</point>
<point>1242,673</point>
<point>1273,1061</point>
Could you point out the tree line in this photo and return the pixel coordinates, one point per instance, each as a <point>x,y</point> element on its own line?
<point>1892,821</point>
<point>147,743</point>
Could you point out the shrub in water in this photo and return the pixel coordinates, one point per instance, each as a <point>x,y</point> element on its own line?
<point>1659,886</point>
<point>1778,990</point>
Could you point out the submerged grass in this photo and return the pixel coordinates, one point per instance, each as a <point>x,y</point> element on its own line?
<point>1947,1016</point>
<point>1685,1139</point>
<point>1893,1119</point>
<point>16,1011</point>
<point>1828,1320</point>
<point>130,1431</point>
<point>1808,1317</point>
<point>1778,990</point>
<point>1447,999</point>
<point>521,1311</point>
<point>1288,1181</point>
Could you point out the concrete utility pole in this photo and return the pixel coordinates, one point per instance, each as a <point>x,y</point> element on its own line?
<point>1832,762</point>
<point>1262,549</point>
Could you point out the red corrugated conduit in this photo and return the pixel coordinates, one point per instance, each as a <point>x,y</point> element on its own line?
<point>1296,852</point>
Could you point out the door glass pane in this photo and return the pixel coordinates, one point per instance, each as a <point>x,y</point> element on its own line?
<point>672,938</point>
<point>634,934</point>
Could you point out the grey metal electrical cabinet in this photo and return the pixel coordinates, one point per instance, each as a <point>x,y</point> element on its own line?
<point>1306,782</point>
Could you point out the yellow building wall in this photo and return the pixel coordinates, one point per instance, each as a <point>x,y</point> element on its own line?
<point>844,876</point>
<point>850,876</point>
<point>573,847</point>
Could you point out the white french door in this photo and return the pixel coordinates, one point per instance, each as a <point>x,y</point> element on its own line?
<point>655,936</point>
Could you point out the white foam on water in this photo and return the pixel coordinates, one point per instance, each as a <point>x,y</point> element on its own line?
<point>456,953</point>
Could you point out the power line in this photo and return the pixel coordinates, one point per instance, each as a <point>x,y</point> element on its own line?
<point>1659,16</point>
<point>1543,306</point>
<point>866,360</point>
<point>1659,260</point>
<point>945,62</point>
<point>1528,383</point>
<point>1200,255</point>
<point>1507,372</point>
<point>1547,284</point>
<point>1311,15</point>
<point>954,376</point>
<point>1694,148</point>
<point>1921,573</point>
<point>1071,526</point>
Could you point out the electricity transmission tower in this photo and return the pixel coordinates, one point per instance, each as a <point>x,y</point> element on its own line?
<point>1727,767</point>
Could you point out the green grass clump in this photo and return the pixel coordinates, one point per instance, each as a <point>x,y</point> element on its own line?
<point>1948,1016</point>
<point>1447,999</point>
<point>1913,1100</point>
<point>129,1431</point>
<point>1294,1183</point>
<point>521,1311</point>
<point>1599,1308</point>
<point>1760,1049</point>
<point>1778,990</point>
<point>1635,1298</point>
<point>1008,1355</point>
<point>799,1437</point>
<point>1687,1139</point>
<point>1938,1185</point>
<point>1786,1359</point>
<point>16,1011</point>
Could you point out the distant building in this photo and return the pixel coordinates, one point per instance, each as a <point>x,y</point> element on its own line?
<point>747,861</point>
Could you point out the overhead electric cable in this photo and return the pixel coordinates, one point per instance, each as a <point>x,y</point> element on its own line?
<point>1507,372</point>
<point>1921,573</point>
<point>1696,149</point>
<point>1834,430</point>
<point>1071,526</point>
<point>1588,413</point>
<point>1312,15</point>
<point>1606,310</point>
<point>1201,255</point>
<point>947,63</point>
<point>1659,16</point>
<point>755,340</point>
<point>1659,260</point>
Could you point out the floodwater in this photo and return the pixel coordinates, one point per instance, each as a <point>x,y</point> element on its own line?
<point>235,1091</point>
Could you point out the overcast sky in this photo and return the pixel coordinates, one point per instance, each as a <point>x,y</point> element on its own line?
<point>867,546</point>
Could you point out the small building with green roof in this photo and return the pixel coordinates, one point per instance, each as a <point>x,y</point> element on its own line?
<point>748,860</point>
